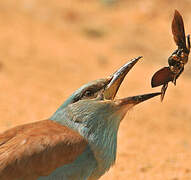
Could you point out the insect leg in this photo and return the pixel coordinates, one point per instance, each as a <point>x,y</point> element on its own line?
<point>163,90</point>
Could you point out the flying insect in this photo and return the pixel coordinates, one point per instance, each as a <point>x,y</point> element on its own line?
<point>178,58</point>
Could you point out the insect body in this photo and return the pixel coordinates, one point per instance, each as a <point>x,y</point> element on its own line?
<point>178,58</point>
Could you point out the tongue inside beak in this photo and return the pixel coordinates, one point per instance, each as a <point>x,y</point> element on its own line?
<point>117,78</point>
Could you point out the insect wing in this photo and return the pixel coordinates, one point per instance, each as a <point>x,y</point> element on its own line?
<point>178,30</point>
<point>162,76</point>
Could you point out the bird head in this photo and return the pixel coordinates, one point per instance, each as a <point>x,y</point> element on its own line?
<point>96,100</point>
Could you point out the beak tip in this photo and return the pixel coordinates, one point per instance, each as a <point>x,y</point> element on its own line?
<point>148,96</point>
<point>135,60</point>
<point>138,99</point>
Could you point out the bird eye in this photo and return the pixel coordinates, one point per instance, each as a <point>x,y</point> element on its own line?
<point>88,93</point>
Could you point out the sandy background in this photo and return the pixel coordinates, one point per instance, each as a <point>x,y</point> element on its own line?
<point>50,48</point>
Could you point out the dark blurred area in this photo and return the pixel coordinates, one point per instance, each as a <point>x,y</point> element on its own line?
<point>50,48</point>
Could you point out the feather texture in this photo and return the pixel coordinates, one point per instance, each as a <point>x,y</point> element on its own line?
<point>40,146</point>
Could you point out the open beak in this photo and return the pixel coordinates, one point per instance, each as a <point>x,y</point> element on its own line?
<point>115,82</point>
<point>117,78</point>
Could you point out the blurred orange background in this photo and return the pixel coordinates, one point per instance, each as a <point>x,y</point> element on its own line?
<point>48,49</point>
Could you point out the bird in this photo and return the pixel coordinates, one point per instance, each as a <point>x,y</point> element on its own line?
<point>78,142</point>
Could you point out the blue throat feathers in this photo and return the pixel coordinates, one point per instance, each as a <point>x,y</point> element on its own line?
<point>98,127</point>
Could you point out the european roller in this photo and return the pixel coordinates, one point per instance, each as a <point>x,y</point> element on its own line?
<point>78,142</point>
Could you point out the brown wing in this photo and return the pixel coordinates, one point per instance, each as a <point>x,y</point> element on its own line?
<point>36,149</point>
<point>162,76</point>
<point>178,30</point>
